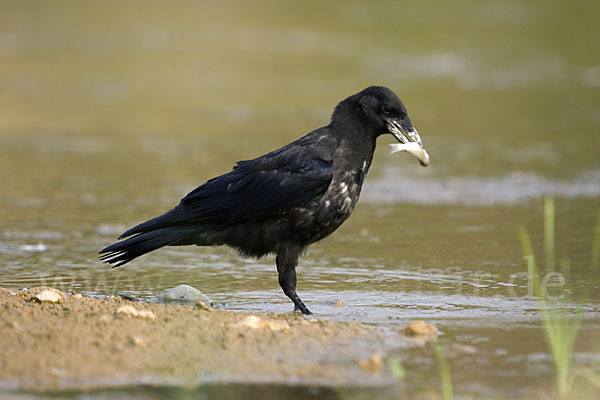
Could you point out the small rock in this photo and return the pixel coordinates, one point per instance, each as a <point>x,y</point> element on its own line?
<point>185,293</point>
<point>105,318</point>
<point>373,364</point>
<point>76,296</point>
<point>421,328</point>
<point>146,314</point>
<point>254,322</point>
<point>127,310</point>
<point>203,306</point>
<point>49,295</point>
<point>130,311</point>
<point>339,304</point>
<point>137,341</point>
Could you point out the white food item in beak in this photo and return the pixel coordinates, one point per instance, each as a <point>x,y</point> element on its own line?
<point>413,148</point>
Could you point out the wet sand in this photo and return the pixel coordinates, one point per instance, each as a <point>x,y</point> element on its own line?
<point>84,343</point>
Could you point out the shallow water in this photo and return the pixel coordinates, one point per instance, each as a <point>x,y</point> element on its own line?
<point>110,113</point>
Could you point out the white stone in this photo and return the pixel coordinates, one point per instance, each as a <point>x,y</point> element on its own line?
<point>184,293</point>
<point>49,295</point>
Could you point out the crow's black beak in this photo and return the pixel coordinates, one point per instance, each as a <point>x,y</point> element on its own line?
<point>404,134</point>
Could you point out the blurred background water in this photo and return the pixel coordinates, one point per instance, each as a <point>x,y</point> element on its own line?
<point>111,111</point>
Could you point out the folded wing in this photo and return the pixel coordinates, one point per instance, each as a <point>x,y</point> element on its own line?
<point>253,190</point>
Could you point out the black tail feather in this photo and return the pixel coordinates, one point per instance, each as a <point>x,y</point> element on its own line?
<point>123,252</point>
<point>169,219</point>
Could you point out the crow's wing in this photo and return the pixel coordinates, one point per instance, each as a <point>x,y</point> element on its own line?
<point>249,192</point>
<point>256,189</point>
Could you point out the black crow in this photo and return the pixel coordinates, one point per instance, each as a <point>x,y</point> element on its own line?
<point>284,201</point>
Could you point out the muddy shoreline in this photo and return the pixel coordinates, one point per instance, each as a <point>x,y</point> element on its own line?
<point>85,343</point>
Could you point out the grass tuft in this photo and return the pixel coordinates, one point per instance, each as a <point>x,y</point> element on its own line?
<point>561,327</point>
<point>444,369</point>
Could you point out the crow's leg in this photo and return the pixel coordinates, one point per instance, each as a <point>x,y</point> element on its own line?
<point>286,266</point>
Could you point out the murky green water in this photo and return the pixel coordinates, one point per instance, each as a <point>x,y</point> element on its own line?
<point>110,112</point>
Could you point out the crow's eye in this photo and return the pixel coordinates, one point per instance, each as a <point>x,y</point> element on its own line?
<point>386,110</point>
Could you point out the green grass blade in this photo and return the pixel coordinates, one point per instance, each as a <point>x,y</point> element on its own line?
<point>446,378</point>
<point>549,232</point>
<point>561,327</point>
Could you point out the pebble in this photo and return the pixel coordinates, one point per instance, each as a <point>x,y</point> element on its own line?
<point>421,328</point>
<point>254,322</point>
<point>203,306</point>
<point>137,341</point>
<point>49,295</point>
<point>185,293</point>
<point>130,311</point>
<point>373,364</point>
<point>105,318</point>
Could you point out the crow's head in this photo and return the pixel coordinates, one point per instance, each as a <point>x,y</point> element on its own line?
<point>386,113</point>
<point>380,111</point>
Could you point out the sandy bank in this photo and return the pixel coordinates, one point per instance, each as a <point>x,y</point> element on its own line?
<point>80,342</point>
